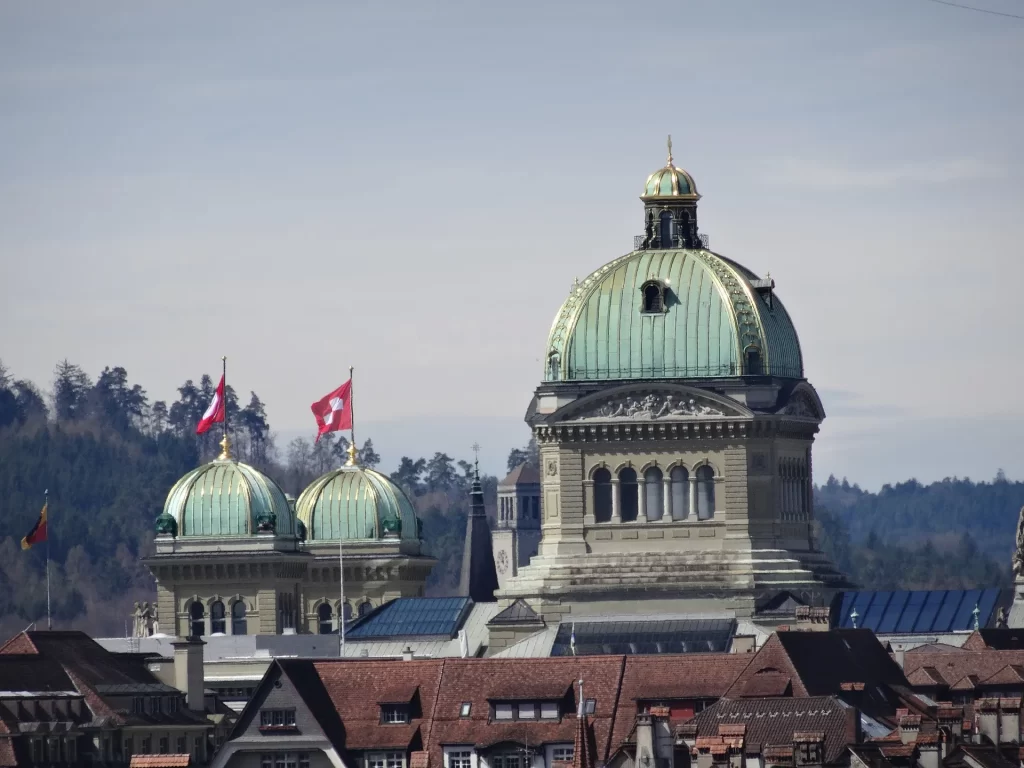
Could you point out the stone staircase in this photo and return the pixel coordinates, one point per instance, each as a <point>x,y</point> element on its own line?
<point>723,572</point>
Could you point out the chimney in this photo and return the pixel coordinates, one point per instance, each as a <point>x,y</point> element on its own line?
<point>407,654</point>
<point>645,741</point>
<point>188,671</point>
<point>479,579</point>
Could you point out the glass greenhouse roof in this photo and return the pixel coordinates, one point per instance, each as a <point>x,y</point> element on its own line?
<point>916,612</point>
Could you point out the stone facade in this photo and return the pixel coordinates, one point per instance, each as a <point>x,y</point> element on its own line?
<point>694,497</point>
<point>516,537</point>
<point>268,585</point>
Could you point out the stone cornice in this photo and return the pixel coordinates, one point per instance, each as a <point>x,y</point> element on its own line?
<point>659,431</point>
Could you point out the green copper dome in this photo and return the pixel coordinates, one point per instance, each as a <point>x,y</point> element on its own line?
<point>226,498</point>
<point>672,313</point>
<point>355,503</point>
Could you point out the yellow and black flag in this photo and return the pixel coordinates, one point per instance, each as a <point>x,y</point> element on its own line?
<point>38,533</point>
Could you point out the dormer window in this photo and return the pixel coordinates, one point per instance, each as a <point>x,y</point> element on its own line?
<point>394,713</point>
<point>653,296</point>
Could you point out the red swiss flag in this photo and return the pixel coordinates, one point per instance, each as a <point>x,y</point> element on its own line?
<point>215,413</point>
<point>334,410</point>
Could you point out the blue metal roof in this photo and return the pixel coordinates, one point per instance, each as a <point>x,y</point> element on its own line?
<point>413,617</point>
<point>595,638</point>
<point>916,612</point>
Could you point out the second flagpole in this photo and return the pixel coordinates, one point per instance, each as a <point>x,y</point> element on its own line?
<point>341,541</point>
<point>46,509</point>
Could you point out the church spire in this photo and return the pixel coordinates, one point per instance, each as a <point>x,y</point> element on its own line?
<point>478,579</point>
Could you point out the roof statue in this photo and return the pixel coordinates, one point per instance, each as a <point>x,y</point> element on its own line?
<point>1018,555</point>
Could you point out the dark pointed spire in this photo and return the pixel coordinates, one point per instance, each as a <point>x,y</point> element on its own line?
<point>479,579</point>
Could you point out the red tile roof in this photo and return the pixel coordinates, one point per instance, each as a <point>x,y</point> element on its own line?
<point>964,669</point>
<point>355,688</point>
<point>480,680</point>
<point>673,678</point>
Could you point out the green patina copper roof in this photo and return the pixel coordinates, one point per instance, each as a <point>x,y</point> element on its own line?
<point>355,503</point>
<point>226,498</point>
<point>713,317</point>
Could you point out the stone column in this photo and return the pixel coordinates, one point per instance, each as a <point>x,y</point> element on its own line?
<point>666,499</point>
<point>588,495</point>
<point>641,500</point>
<point>616,501</point>
<point>693,495</point>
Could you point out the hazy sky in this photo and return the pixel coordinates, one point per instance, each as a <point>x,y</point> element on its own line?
<point>411,188</point>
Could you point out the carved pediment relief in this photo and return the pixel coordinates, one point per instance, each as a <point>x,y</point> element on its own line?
<point>649,405</point>
<point>802,405</point>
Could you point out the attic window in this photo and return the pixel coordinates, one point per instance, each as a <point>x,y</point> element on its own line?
<point>589,706</point>
<point>394,713</point>
<point>653,294</point>
<point>465,709</point>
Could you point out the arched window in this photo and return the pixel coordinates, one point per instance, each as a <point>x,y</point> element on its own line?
<point>217,624</point>
<point>654,493</point>
<point>325,615</point>
<point>665,233</point>
<point>198,619</point>
<point>705,493</point>
<point>754,367</point>
<point>347,612</point>
<point>680,482</point>
<point>602,496</point>
<point>365,608</point>
<point>238,622</point>
<point>653,293</point>
<point>554,364</point>
<point>628,497</point>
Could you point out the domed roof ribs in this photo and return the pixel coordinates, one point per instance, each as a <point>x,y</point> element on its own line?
<point>479,579</point>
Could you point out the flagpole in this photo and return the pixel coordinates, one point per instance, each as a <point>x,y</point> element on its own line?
<point>46,506</point>
<point>224,375</point>
<point>341,541</point>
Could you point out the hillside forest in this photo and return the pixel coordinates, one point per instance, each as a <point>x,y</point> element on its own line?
<point>108,456</point>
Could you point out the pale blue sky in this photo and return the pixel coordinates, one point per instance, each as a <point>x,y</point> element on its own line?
<point>411,187</point>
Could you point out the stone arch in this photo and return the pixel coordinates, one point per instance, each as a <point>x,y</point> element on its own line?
<point>627,464</point>
<point>676,463</point>
<point>705,463</point>
<point>652,464</point>
<point>598,466</point>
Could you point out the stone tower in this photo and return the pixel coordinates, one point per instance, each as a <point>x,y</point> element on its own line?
<point>517,535</point>
<point>675,428</point>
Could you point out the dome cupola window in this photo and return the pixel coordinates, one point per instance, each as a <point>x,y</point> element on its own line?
<point>239,625</point>
<point>217,623</point>
<point>754,364</point>
<point>325,617</point>
<point>653,293</point>
<point>198,619</point>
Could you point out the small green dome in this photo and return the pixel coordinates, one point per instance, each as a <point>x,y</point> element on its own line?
<point>670,182</point>
<point>355,503</point>
<point>709,321</point>
<point>227,498</point>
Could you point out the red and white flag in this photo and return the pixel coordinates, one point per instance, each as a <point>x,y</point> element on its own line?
<point>215,413</point>
<point>334,410</point>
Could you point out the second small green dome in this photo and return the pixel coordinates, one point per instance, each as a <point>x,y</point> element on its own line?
<point>355,503</point>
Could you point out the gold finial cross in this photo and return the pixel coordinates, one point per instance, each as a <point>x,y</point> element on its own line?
<point>670,149</point>
<point>476,454</point>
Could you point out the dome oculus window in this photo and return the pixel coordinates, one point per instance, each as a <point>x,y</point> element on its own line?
<point>653,295</point>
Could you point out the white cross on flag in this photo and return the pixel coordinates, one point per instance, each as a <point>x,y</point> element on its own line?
<point>334,410</point>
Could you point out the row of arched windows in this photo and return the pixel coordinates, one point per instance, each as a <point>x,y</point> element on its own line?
<point>794,489</point>
<point>325,615</point>
<point>654,497</point>
<point>218,618</point>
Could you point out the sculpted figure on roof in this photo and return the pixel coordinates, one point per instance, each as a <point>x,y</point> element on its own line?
<point>1018,555</point>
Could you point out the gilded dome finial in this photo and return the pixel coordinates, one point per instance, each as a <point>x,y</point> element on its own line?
<point>225,449</point>
<point>351,455</point>
<point>670,150</point>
